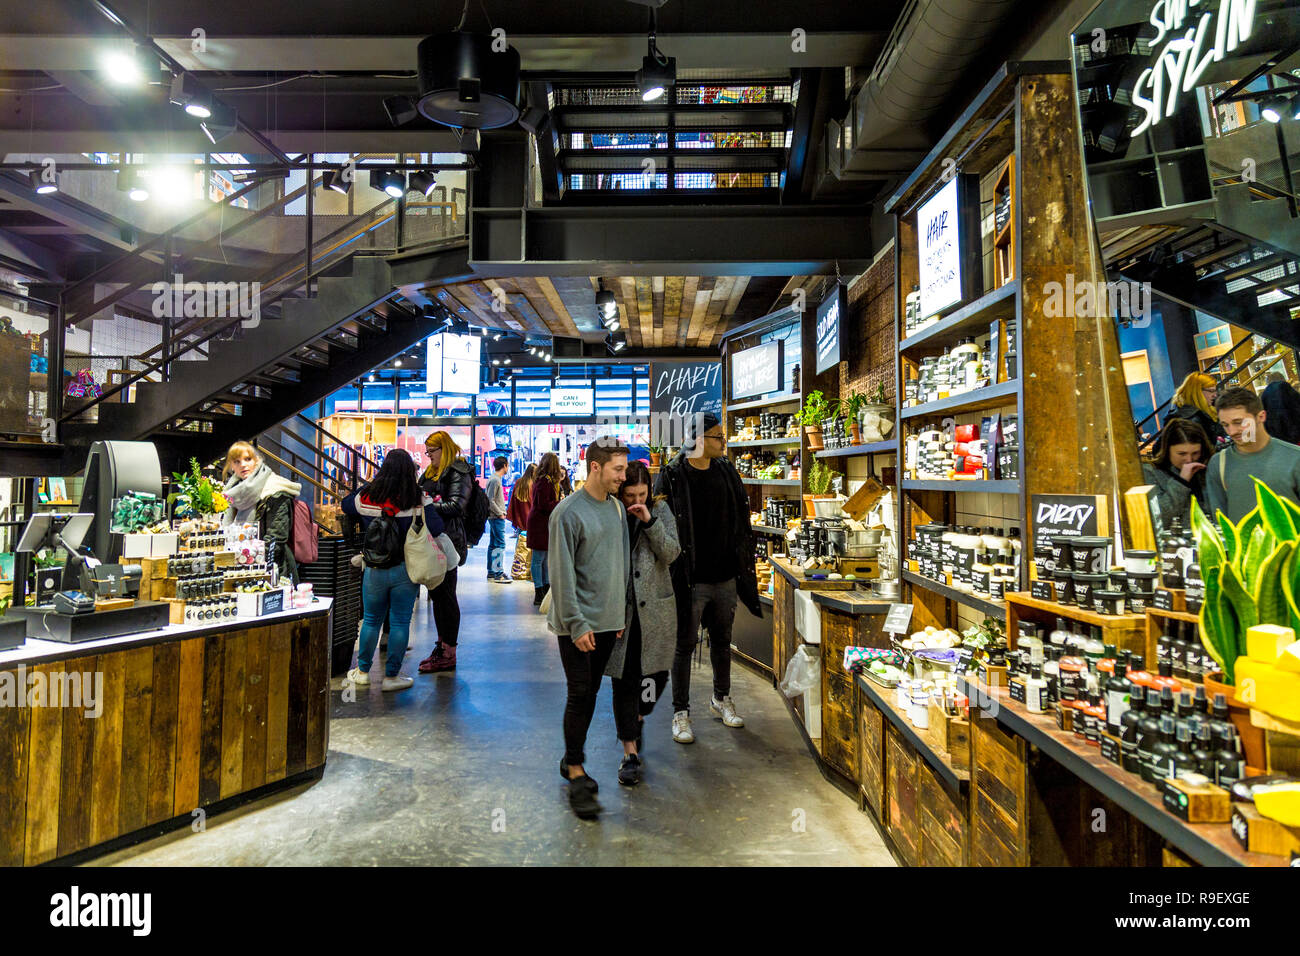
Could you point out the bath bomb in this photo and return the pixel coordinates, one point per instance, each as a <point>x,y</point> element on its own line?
<point>1280,802</point>
<point>1266,642</point>
<point>1290,659</point>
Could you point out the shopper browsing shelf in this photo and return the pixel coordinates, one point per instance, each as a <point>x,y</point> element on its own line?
<point>1230,481</point>
<point>639,663</point>
<point>588,558</point>
<point>257,495</point>
<point>386,508</point>
<point>547,494</point>
<point>716,567</point>
<point>1178,469</point>
<point>497,522</point>
<point>449,481</point>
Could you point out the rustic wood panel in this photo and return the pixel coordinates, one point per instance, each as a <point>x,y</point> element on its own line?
<point>277,700</point>
<point>839,726</point>
<point>232,714</point>
<point>318,682</point>
<point>189,723</point>
<point>255,710</point>
<point>106,786</point>
<point>546,289</point>
<point>78,756</point>
<point>162,738</point>
<point>15,763</point>
<point>700,310</point>
<point>901,796</point>
<point>871,756</point>
<point>210,728</point>
<point>137,702</point>
<point>839,631</point>
<point>674,286</point>
<point>942,822</point>
<point>299,671</point>
<point>44,774</point>
<point>729,310</point>
<point>998,788</point>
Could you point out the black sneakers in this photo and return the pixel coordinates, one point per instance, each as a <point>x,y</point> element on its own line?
<point>629,770</point>
<point>582,798</point>
<point>564,772</point>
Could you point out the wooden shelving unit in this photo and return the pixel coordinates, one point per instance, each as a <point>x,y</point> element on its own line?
<point>1004,240</point>
<point>1125,631</point>
<point>858,451</point>
<point>773,482</point>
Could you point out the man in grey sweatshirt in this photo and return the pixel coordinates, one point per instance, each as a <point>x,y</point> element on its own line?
<point>497,522</point>
<point>1230,476</point>
<point>589,562</point>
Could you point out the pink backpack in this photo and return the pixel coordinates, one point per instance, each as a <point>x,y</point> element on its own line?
<point>304,538</point>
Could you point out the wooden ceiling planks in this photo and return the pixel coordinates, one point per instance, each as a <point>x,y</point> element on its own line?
<point>657,309</point>
<point>700,310</point>
<point>645,304</point>
<point>626,286</point>
<point>546,290</point>
<point>717,308</point>
<point>672,308</point>
<point>729,310</point>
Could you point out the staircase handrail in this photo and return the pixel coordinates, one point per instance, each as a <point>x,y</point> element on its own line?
<point>338,441</point>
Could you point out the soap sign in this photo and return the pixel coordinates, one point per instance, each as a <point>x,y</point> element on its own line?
<point>898,619</point>
<point>829,316</point>
<point>756,371</point>
<point>1068,515</point>
<point>680,389</point>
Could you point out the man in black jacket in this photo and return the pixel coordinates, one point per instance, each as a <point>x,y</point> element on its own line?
<point>716,567</point>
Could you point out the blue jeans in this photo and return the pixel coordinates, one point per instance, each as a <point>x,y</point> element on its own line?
<point>541,574</point>
<point>386,593</point>
<point>496,545</point>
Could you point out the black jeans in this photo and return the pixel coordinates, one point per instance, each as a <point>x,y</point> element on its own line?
<point>446,609</point>
<point>719,600</point>
<point>582,672</point>
<point>635,694</point>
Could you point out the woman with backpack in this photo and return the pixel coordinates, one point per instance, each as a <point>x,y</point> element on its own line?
<point>449,481</point>
<point>547,494</point>
<point>386,508</point>
<point>257,495</point>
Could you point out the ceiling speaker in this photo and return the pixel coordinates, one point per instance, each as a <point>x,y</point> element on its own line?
<point>465,83</point>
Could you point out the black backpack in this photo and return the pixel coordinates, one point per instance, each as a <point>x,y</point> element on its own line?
<point>476,514</point>
<point>384,545</point>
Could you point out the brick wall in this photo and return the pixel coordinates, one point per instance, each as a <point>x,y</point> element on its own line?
<point>870,343</point>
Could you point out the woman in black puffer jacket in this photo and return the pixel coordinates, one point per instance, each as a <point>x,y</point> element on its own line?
<point>449,481</point>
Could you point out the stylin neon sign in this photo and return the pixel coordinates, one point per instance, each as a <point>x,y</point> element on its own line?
<point>1184,59</point>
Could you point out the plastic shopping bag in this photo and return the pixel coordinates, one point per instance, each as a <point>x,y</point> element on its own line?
<point>802,674</point>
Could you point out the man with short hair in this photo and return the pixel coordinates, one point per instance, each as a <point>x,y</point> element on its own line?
<point>589,560</point>
<point>1229,481</point>
<point>497,522</point>
<point>716,567</point>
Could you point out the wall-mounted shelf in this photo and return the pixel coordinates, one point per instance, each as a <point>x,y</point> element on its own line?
<point>994,609</point>
<point>776,482</point>
<point>987,487</point>
<point>765,443</point>
<point>764,403</point>
<point>769,529</point>
<point>992,396</point>
<point>855,451</point>
<point>968,320</point>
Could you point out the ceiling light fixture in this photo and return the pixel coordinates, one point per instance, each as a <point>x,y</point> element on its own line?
<point>606,303</point>
<point>658,73</point>
<point>617,341</point>
<point>129,182</point>
<point>423,181</point>
<point>44,187</point>
<point>1272,107</point>
<point>333,179</point>
<point>372,376</point>
<point>400,109</point>
<point>126,67</point>
<point>397,363</point>
<point>389,181</point>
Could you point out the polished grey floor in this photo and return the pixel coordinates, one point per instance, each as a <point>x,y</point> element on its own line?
<point>462,769</point>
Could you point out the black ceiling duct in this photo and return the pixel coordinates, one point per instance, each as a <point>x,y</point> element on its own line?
<point>465,83</point>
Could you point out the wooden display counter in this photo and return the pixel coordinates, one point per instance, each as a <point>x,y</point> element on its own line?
<point>186,718</point>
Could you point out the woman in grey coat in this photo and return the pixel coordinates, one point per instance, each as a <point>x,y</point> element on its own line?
<point>1182,454</point>
<point>640,661</point>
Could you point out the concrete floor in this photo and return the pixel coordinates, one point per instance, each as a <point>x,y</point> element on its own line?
<point>462,769</point>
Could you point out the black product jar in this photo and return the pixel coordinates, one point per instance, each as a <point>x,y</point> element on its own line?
<point>1107,601</point>
<point>1043,562</point>
<point>1086,585</point>
<point>1064,584</point>
<point>1061,553</point>
<point>1090,555</point>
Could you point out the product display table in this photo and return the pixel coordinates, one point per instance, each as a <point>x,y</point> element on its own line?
<point>113,741</point>
<point>1211,844</point>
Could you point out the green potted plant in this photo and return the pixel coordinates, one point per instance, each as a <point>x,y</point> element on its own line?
<point>816,409</point>
<point>656,454</point>
<point>852,414</point>
<point>819,478</point>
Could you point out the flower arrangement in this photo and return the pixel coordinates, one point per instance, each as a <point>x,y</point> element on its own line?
<point>197,494</point>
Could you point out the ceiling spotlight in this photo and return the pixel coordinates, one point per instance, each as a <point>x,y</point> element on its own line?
<point>606,303</point>
<point>127,67</point>
<point>616,341</point>
<point>333,179</point>
<point>658,73</point>
<point>496,361</point>
<point>129,182</point>
<point>172,184</point>
<point>389,181</point>
<point>400,109</point>
<point>1272,107</point>
<point>423,181</point>
<point>187,94</point>
<point>507,360</point>
<point>44,186</point>
<point>372,376</point>
<point>397,363</point>
<point>220,124</point>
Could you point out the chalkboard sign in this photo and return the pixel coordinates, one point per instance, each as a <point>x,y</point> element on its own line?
<point>829,318</point>
<point>756,371</point>
<point>1069,515</point>
<point>681,389</point>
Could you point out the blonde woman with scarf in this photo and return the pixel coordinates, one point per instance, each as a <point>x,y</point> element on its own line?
<point>449,482</point>
<point>257,495</point>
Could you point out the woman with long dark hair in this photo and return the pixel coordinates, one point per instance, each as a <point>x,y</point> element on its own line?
<point>449,481</point>
<point>546,495</point>
<point>387,593</point>
<point>1181,453</point>
<point>520,498</point>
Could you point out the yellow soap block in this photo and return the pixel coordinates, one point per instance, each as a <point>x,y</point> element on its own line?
<point>1280,802</point>
<point>1266,642</point>
<point>1268,688</point>
<point>1290,659</point>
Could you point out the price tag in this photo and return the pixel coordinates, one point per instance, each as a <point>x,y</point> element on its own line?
<point>898,620</point>
<point>1042,590</point>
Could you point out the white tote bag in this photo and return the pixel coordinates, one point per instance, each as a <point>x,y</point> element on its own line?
<point>426,561</point>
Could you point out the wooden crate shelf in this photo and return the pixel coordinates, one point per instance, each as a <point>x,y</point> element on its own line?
<point>1125,631</point>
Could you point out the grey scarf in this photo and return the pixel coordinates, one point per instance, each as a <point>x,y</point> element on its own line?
<point>244,495</point>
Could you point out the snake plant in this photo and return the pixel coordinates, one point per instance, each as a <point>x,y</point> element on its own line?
<point>1251,572</point>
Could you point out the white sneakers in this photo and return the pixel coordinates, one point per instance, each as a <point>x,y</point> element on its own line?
<point>682,728</point>
<point>400,682</point>
<point>358,677</point>
<point>727,711</point>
